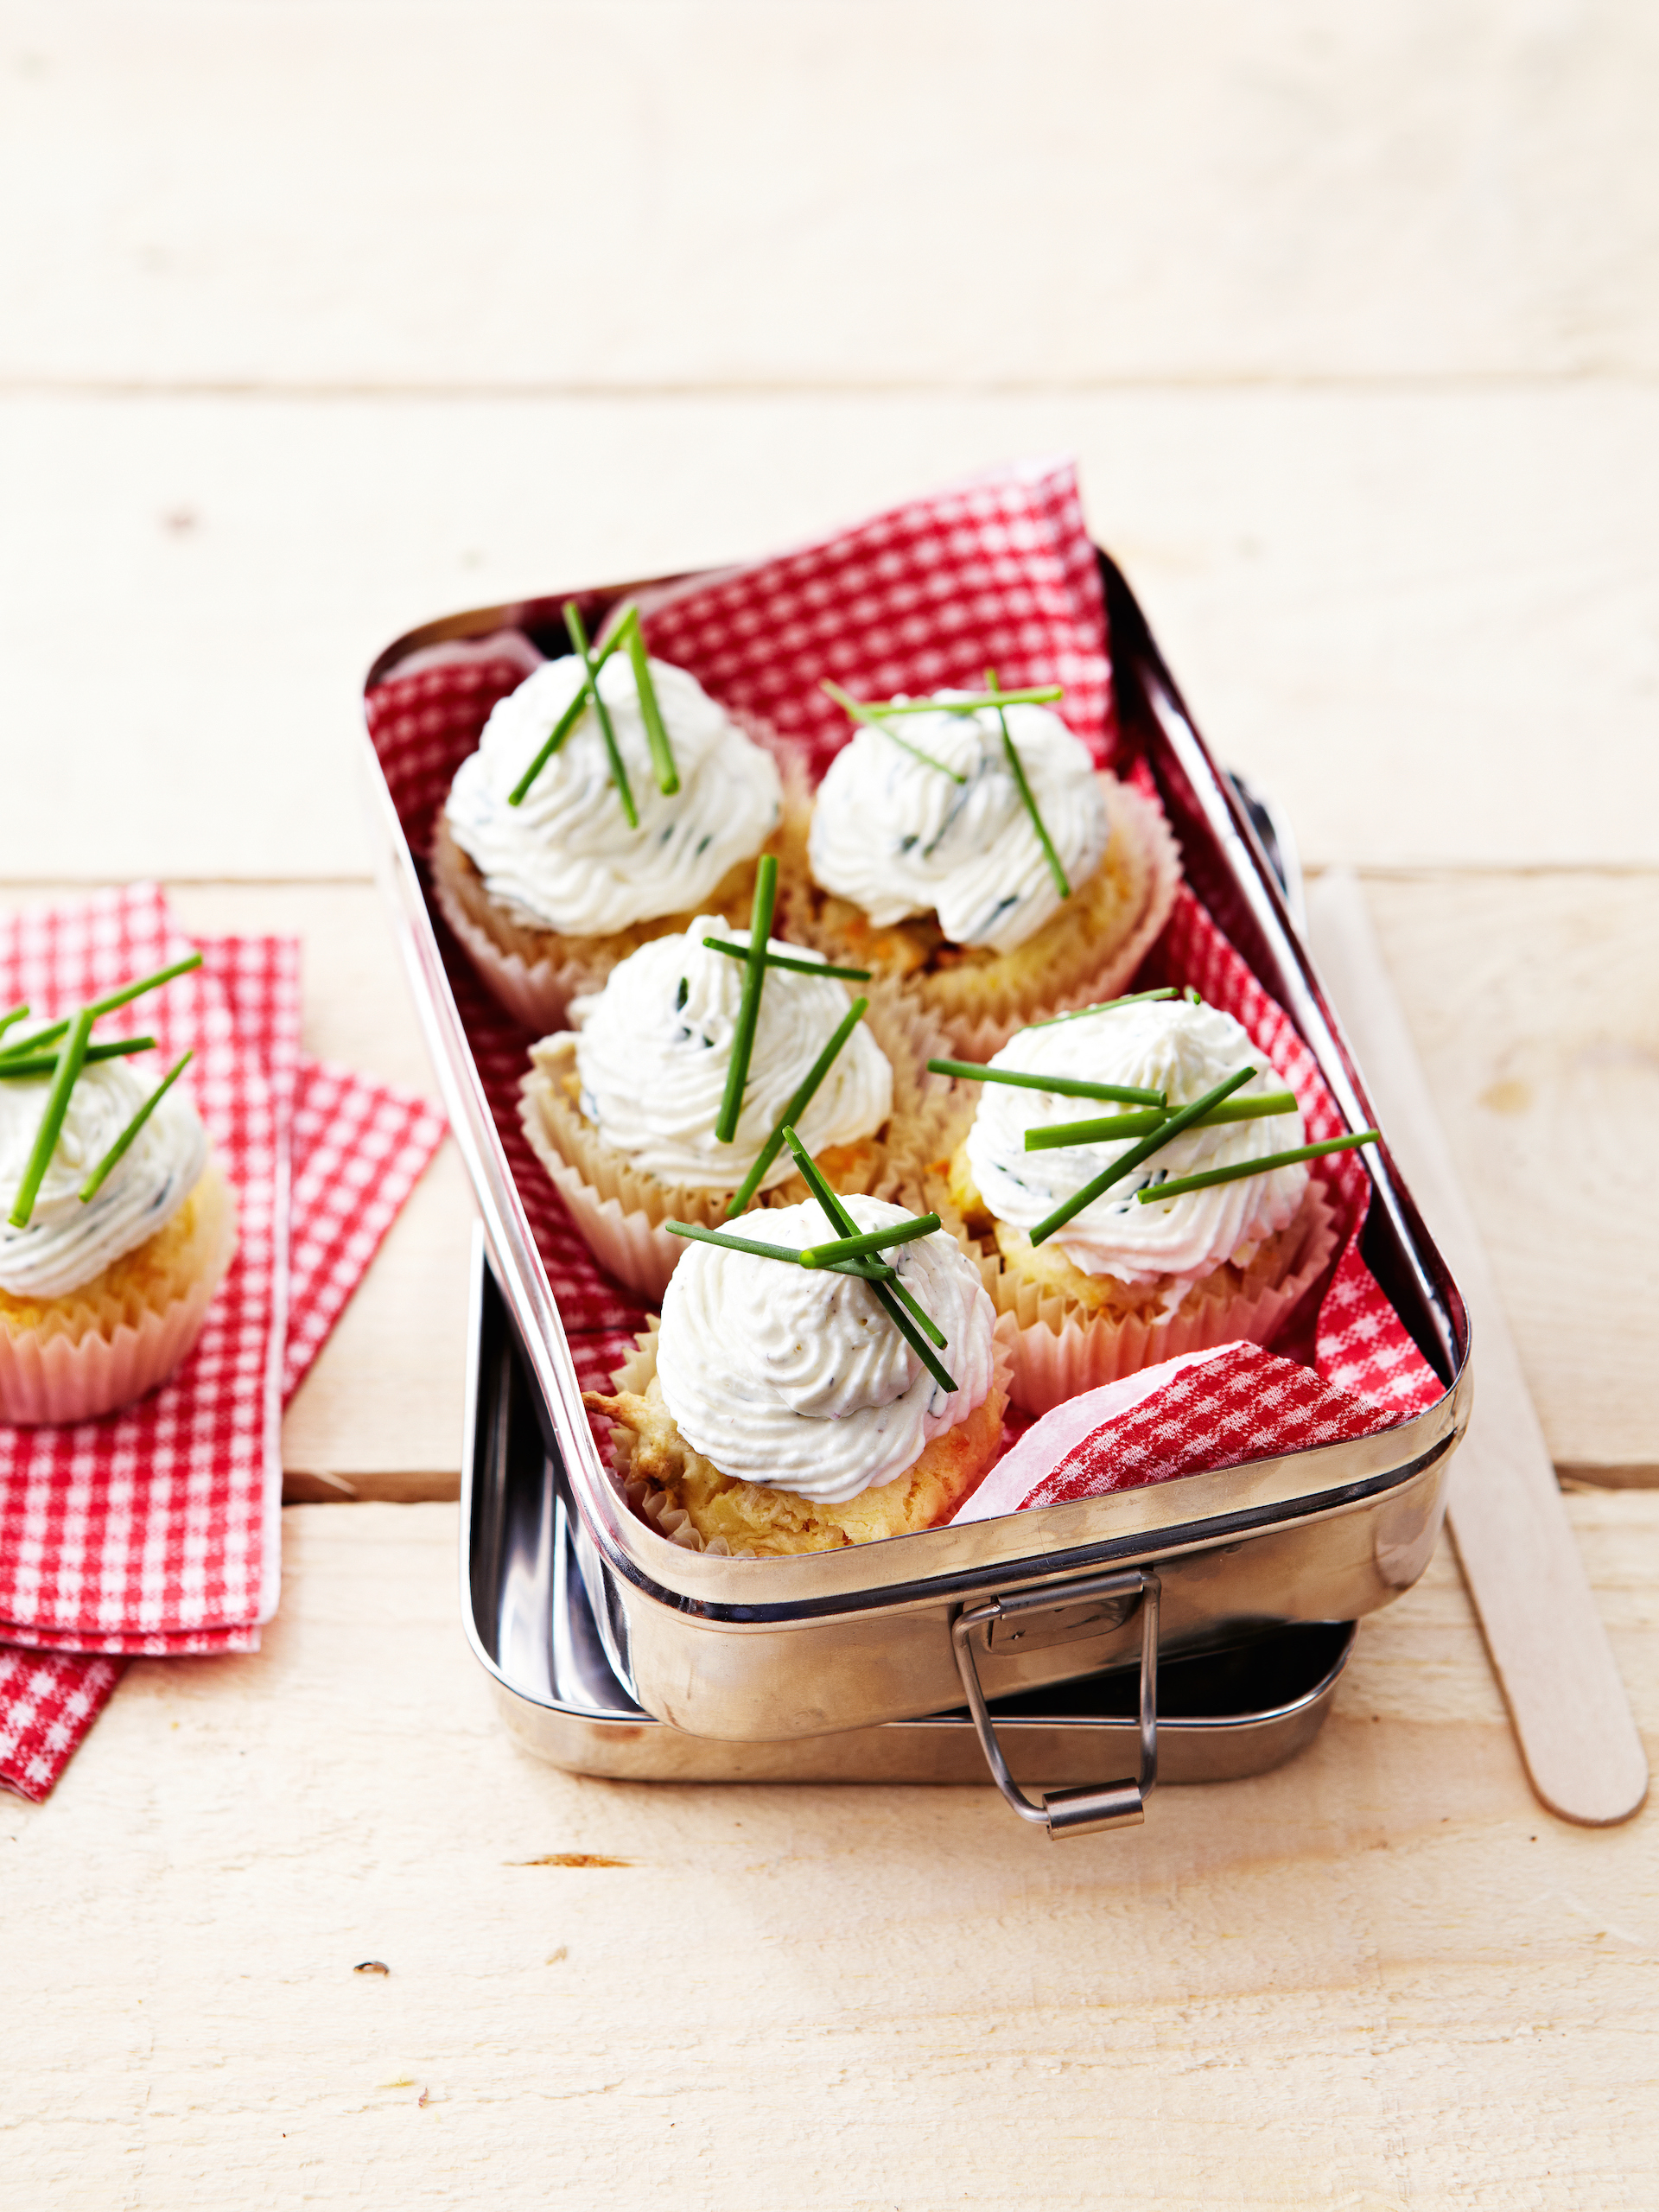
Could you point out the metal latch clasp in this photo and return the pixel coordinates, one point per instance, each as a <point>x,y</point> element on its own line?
<point>1036,1617</point>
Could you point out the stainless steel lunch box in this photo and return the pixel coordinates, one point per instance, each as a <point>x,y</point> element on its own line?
<point>770,1650</point>
<point>524,1608</point>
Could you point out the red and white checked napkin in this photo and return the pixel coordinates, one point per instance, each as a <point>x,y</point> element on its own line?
<point>998,572</point>
<point>157,1529</point>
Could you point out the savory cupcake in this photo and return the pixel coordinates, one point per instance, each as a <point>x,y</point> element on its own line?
<point>975,853</point>
<point>638,1117</point>
<point>599,811</point>
<point>1057,1190</point>
<point>779,1408</point>
<point>117,1227</point>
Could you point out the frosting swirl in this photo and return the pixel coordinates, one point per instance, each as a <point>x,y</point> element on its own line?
<point>653,1048</point>
<point>566,859</point>
<point>897,838</point>
<point>66,1243</point>
<point>794,1377</point>
<point>1162,1045</point>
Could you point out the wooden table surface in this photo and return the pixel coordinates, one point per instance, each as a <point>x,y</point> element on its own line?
<point>327,318</point>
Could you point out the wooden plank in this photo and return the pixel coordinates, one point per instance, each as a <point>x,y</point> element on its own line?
<point>1549,1650</point>
<point>722,192</point>
<point>1379,1978</point>
<point>1352,587</point>
<point>1534,1004</point>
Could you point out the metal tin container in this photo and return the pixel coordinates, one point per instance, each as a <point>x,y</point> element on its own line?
<point>768,1649</point>
<point>526,1614</point>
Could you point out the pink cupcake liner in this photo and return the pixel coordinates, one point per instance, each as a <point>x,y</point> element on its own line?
<point>54,1380</point>
<point>1057,1356</point>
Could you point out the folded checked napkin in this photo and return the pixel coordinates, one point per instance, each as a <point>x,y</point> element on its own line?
<point>157,1530</point>
<point>1002,572</point>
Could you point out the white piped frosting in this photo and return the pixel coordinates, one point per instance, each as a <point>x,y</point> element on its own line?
<point>67,1242</point>
<point>653,1048</point>
<point>795,1378</point>
<point>897,838</point>
<point>1164,1044</point>
<point>565,859</point>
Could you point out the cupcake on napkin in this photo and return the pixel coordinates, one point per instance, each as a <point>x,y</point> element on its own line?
<point>115,1227</point>
<point>966,846</point>
<point>670,1097</point>
<point>610,799</point>
<point>1134,1186</point>
<point>780,1407</point>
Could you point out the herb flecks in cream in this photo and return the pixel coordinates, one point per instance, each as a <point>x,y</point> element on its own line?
<point>795,1378</point>
<point>1168,1046</point>
<point>566,858</point>
<point>652,1050</point>
<point>68,1241</point>
<point>897,838</point>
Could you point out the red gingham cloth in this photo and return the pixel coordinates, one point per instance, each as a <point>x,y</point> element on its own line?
<point>999,571</point>
<point>157,1530</point>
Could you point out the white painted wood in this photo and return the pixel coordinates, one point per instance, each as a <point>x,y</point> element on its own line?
<point>942,194</point>
<point>1512,1531</point>
<point>1380,1978</point>
<point>1427,622</point>
<point>1533,1004</point>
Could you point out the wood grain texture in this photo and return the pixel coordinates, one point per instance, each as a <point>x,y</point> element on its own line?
<point>1354,589</point>
<point>1379,1978</point>
<point>826,194</point>
<point>1506,1513</point>
<point>1533,1002</point>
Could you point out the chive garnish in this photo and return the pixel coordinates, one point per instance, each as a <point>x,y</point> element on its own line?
<point>748,1012</point>
<point>795,967</point>
<point>1059,1135</point>
<point>730,1243</point>
<point>27,1063</point>
<point>1016,769</point>
<point>1267,1107</point>
<point>1242,1168</point>
<point>124,996</point>
<point>877,1270</point>
<point>95,1181</point>
<point>561,730</point>
<point>872,1240</point>
<point>861,713</point>
<point>796,1106</point>
<point>1077,1014</point>
<point>71,1054</point>
<point>574,624</point>
<point>1063,1086</point>
<point>1131,1158</point>
<point>887,1290</point>
<point>661,752</point>
<point>1036,695</point>
<point>128,992</point>
<point>569,718</point>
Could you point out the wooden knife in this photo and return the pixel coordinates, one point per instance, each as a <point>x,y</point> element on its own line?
<point>1515,1542</point>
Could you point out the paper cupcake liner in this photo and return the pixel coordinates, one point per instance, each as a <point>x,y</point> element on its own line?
<point>1058,1351</point>
<point>619,1208</point>
<point>538,992</point>
<point>981,1005</point>
<point>672,1522</point>
<point>90,1355</point>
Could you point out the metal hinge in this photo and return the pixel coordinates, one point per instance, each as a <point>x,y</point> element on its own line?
<point>1038,1617</point>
